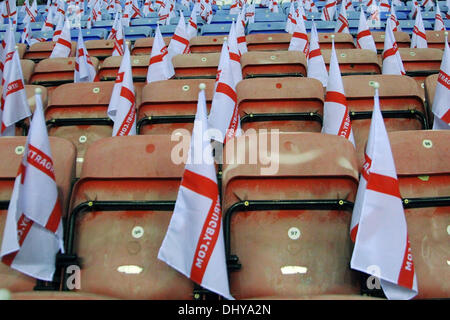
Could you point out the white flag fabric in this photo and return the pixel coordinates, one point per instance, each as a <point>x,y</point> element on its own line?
<point>290,21</point>
<point>441,102</point>
<point>342,22</point>
<point>33,232</point>
<point>379,219</point>
<point>349,6</point>
<point>395,25</point>
<point>118,37</point>
<point>316,64</point>
<point>240,33</point>
<point>299,39</point>
<point>428,5</point>
<point>84,68</point>
<point>336,118</point>
<point>26,34</point>
<point>328,10</point>
<point>122,106</point>
<point>311,6</point>
<point>419,38</point>
<point>14,103</point>
<point>192,28</point>
<point>250,13</point>
<point>438,21</point>
<point>179,44</point>
<point>385,6</point>
<point>364,38</point>
<point>59,27</point>
<point>8,49</point>
<point>160,65</point>
<point>49,21</point>
<point>194,243</point>
<point>235,55</point>
<point>63,46</point>
<point>224,114</point>
<point>392,61</point>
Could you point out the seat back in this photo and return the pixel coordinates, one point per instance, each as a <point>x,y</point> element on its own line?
<point>42,50</point>
<point>111,65</point>
<point>206,44</point>
<point>354,61</point>
<point>289,225</point>
<point>143,46</point>
<point>435,39</point>
<point>273,64</point>
<point>196,65</point>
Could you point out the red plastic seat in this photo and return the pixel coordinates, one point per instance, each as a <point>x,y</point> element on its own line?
<point>120,211</point>
<point>273,64</point>
<point>423,171</point>
<point>430,90</point>
<point>206,44</point>
<point>401,103</point>
<point>288,104</point>
<point>143,46</point>
<point>435,39</point>
<point>196,65</point>
<point>43,50</point>
<point>170,105</point>
<point>81,121</point>
<point>27,69</point>
<point>110,66</point>
<point>354,61</point>
<point>289,225</point>
<point>402,38</point>
<point>63,153</point>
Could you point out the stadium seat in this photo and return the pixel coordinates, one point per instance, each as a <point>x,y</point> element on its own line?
<point>18,35</point>
<point>206,44</point>
<point>22,47</point>
<point>268,42</point>
<point>266,27</point>
<point>196,65</point>
<point>150,22</point>
<point>322,26</point>
<point>47,35</point>
<point>273,64</point>
<point>215,29</point>
<point>420,63</point>
<point>120,212</point>
<point>270,17</point>
<point>55,71</point>
<point>89,34</point>
<point>408,25</point>
<point>110,66</point>
<point>43,50</point>
<point>430,90</point>
<point>133,33</point>
<point>288,230</point>
<point>82,121</point>
<point>423,173</point>
<point>288,104</point>
<point>103,24</point>
<point>402,39</point>
<point>27,69</point>
<point>435,39</point>
<point>168,30</point>
<point>170,105</point>
<point>223,18</point>
<point>354,61</point>
<point>57,295</point>
<point>341,40</point>
<point>401,102</point>
<point>63,153</point>
<point>100,49</point>
<point>144,46</point>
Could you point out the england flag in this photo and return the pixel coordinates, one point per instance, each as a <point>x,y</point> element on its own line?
<point>160,65</point>
<point>441,102</point>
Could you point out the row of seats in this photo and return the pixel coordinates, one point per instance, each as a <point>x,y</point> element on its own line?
<point>290,229</point>
<point>289,104</point>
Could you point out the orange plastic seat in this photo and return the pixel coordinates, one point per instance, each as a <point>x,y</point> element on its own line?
<point>170,105</point>
<point>206,44</point>
<point>430,90</point>
<point>287,228</point>
<point>82,121</point>
<point>22,47</point>
<point>143,46</point>
<point>110,66</point>
<point>57,295</point>
<point>43,50</point>
<point>354,61</point>
<point>435,39</point>
<point>420,63</point>
<point>402,38</point>
<point>55,71</point>
<point>401,102</point>
<point>273,64</point>
<point>27,69</point>
<point>100,49</point>
<point>423,172</point>
<point>120,211</point>
<point>288,104</point>
<point>341,40</point>
<point>63,154</point>
<point>196,65</point>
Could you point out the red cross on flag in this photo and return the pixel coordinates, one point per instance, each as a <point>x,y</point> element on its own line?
<point>63,45</point>
<point>378,225</point>
<point>392,61</point>
<point>299,39</point>
<point>194,243</point>
<point>84,68</point>
<point>33,231</point>
<point>160,65</point>
<point>441,102</point>
<point>342,22</point>
<point>419,38</point>
<point>438,21</point>
<point>179,44</point>
<point>328,10</point>
<point>364,38</point>
<point>316,64</point>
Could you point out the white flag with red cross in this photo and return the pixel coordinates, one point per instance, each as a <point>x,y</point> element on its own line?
<point>299,39</point>
<point>118,37</point>
<point>192,28</point>
<point>84,68</point>
<point>378,225</point>
<point>235,55</point>
<point>395,25</point>
<point>316,64</point>
<point>122,106</point>
<point>224,114</point>
<point>179,44</point>
<point>160,65</point>
<point>392,61</point>
<point>441,102</point>
<point>342,21</point>
<point>33,232</point>
<point>364,38</point>
<point>63,46</point>
<point>240,33</point>
<point>328,10</point>
<point>194,243</point>
<point>419,37</point>
<point>336,117</point>
<point>438,21</point>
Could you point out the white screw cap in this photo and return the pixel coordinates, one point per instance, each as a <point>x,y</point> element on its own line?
<point>38,91</point>
<point>5,294</point>
<point>202,86</point>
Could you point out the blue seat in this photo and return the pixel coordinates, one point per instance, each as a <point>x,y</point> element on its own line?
<point>151,15</point>
<point>47,35</point>
<point>266,27</point>
<point>215,29</point>
<point>353,15</point>
<point>322,26</point>
<point>167,31</point>
<point>104,24</point>
<point>311,15</point>
<point>17,34</point>
<point>186,19</point>
<point>447,24</point>
<point>133,33</point>
<point>221,19</point>
<point>270,17</point>
<point>149,22</point>
<point>407,25</point>
<point>429,15</point>
<point>89,34</point>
